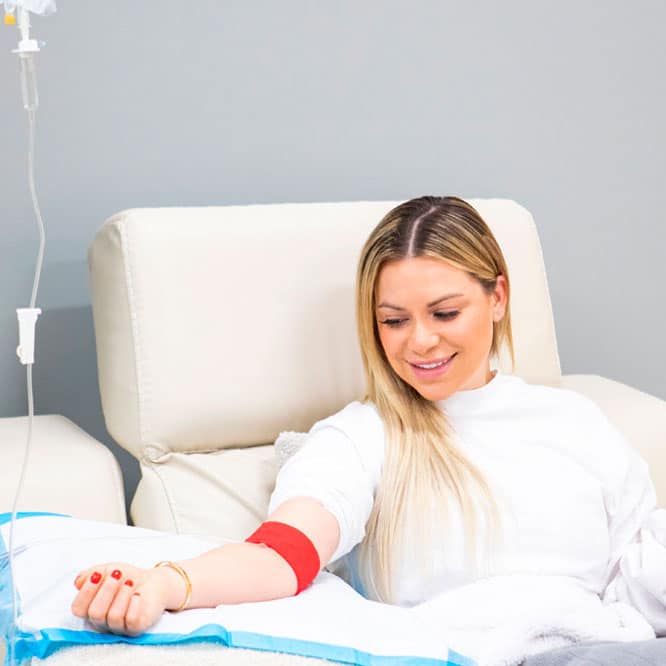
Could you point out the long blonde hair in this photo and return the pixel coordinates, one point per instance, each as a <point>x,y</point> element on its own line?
<point>423,470</point>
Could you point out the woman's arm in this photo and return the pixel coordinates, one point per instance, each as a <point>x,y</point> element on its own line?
<point>124,599</point>
<point>242,572</point>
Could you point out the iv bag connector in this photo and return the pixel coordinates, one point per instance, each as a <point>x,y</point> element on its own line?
<point>27,319</point>
<point>26,45</point>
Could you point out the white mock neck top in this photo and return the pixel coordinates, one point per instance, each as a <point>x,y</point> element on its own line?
<point>572,494</point>
<point>478,398</point>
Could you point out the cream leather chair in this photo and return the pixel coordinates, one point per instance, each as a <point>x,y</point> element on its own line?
<point>219,327</point>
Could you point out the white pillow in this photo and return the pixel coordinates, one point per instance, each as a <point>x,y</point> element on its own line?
<point>329,620</point>
<point>287,443</point>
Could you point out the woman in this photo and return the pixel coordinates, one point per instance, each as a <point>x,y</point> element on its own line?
<point>445,474</point>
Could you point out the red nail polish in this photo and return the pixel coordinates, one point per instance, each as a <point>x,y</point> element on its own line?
<point>116,573</point>
<point>129,582</point>
<point>96,577</point>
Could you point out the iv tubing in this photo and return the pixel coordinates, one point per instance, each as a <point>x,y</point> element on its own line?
<point>30,102</point>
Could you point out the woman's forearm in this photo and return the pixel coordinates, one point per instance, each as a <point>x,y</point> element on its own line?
<point>233,573</point>
<point>243,572</point>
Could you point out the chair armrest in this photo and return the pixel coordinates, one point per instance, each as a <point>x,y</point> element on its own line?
<point>639,416</point>
<point>68,470</point>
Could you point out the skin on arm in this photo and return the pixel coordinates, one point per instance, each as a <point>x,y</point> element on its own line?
<point>237,573</point>
<point>232,573</point>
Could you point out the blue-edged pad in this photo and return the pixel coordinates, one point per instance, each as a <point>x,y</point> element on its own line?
<point>328,621</point>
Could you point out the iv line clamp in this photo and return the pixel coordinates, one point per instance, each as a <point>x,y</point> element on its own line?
<point>27,319</point>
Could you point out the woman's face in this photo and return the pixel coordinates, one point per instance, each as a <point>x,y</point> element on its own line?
<point>430,312</point>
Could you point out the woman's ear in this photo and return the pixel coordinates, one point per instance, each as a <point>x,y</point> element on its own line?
<point>500,298</point>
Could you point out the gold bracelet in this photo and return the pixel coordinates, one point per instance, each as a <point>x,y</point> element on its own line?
<point>186,579</point>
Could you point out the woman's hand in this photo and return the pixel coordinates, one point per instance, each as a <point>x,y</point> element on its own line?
<point>121,598</point>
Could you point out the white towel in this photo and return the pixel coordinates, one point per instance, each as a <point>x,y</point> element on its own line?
<point>329,620</point>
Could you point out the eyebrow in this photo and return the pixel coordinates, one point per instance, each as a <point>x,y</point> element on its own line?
<point>439,300</point>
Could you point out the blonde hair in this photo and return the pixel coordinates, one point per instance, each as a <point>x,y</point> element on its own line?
<point>423,470</point>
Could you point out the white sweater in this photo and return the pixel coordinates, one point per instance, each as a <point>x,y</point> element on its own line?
<point>577,504</point>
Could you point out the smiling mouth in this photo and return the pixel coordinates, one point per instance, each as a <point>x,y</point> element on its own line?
<point>432,366</point>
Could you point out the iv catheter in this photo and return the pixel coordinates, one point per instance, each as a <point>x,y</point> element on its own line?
<point>27,317</point>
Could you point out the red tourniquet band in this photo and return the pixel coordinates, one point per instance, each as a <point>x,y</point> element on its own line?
<point>292,545</point>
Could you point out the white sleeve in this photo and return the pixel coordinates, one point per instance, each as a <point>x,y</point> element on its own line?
<point>332,469</point>
<point>637,530</point>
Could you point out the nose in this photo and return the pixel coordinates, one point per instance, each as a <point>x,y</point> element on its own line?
<point>423,338</point>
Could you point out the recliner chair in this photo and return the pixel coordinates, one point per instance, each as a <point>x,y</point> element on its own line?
<point>217,328</point>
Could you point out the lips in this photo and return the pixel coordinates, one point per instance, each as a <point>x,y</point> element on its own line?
<point>436,360</point>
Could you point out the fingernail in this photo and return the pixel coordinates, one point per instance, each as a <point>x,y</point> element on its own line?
<point>96,577</point>
<point>116,573</point>
<point>129,582</point>
<point>76,580</point>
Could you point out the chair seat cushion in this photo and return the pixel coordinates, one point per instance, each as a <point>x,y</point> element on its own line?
<point>218,496</point>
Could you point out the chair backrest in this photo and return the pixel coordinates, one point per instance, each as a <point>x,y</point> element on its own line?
<point>219,327</point>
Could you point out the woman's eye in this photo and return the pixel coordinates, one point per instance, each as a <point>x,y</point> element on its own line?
<point>439,315</point>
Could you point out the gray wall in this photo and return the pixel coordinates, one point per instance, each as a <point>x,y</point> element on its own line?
<point>560,106</point>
